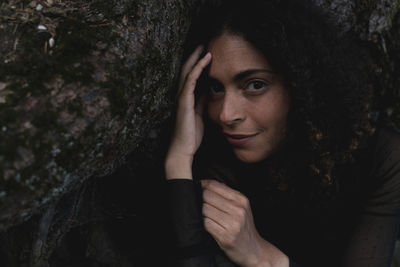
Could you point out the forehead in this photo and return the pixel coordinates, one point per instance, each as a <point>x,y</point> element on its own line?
<point>231,54</point>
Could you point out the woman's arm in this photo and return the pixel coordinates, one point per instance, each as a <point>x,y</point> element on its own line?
<point>373,239</point>
<point>193,246</point>
<point>188,131</point>
<point>184,196</point>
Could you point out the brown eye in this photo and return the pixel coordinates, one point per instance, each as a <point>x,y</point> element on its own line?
<point>216,89</point>
<point>256,85</point>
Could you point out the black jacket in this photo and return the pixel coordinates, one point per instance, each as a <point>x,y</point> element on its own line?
<point>358,229</point>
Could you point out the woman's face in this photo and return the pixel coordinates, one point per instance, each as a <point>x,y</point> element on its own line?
<point>247,100</point>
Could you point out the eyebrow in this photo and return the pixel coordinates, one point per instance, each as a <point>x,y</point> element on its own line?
<point>244,74</point>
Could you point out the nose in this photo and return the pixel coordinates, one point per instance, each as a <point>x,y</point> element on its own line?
<point>232,111</point>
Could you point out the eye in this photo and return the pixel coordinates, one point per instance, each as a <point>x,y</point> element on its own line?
<point>256,85</point>
<point>216,88</point>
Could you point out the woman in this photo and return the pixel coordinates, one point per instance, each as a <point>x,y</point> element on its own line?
<point>279,133</point>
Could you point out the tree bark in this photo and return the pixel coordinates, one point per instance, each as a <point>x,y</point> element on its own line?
<point>81,84</point>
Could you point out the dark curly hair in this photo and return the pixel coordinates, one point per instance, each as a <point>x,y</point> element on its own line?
<point>325,73</point>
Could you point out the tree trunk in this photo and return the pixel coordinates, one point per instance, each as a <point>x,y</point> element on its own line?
<point>81,84</point>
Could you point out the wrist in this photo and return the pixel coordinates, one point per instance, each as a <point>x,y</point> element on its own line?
<point>268,255</point>
<point>178,167</point>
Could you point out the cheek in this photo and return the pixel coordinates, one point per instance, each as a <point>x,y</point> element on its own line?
<point>280,112</point>
<point>272,111</point>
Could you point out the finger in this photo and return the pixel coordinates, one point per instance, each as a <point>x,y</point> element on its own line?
<point>191,61</point>
<point>219,202</point>
<point>215,229</point>
<point>188,66</point>
<point>218,216</point>
<point>224,191</point>
<point>191,79</point>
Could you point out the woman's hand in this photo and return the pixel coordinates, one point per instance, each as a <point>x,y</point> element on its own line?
<point>188,131</point>
<point>228,218</point>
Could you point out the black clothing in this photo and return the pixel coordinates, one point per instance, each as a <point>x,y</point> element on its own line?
<point>358,229</point>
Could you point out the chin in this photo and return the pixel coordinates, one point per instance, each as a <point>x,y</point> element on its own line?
<point>251,156</point>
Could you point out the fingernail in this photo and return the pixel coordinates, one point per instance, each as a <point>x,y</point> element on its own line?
<point>208,55</point>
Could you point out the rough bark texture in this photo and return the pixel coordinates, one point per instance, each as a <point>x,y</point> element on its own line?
<point>377,24</point>
<point>81,84</point>
<point>84,84</point>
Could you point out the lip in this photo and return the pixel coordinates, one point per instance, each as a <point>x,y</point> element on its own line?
<point>239,139</point>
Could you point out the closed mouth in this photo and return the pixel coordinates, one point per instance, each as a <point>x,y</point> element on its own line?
<point>240,136</point>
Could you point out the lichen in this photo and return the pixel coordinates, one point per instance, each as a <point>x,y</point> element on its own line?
<point>81,92</point>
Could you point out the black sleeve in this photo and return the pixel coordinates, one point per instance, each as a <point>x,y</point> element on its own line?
<point>373,240</point>
<point>293,264</point>
<point>192,244</point>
